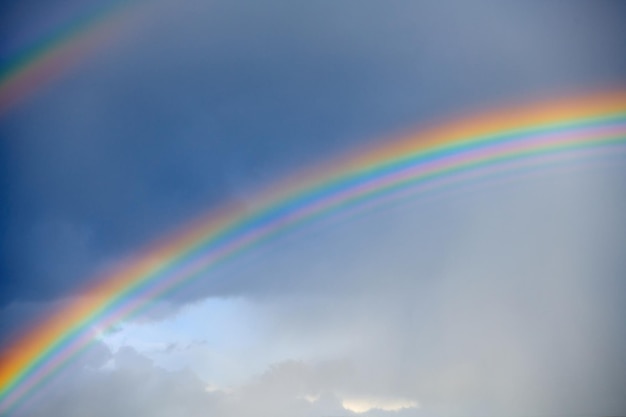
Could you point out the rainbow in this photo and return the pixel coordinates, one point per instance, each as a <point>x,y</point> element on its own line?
<point>33,67</point>
<point>465,150</point>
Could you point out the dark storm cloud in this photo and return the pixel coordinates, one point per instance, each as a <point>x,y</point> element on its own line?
<point>213,100</point>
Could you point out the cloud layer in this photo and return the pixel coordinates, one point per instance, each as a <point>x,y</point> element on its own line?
<point>506,300</point>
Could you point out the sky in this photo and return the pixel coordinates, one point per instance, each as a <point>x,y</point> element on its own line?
<point>501,298</point>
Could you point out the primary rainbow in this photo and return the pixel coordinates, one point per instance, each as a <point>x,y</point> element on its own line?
<point>464,150</point>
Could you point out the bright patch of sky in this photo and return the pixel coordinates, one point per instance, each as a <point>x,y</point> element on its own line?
<point>362,405</point>
<point>223,340</point>
<point>209,337</point>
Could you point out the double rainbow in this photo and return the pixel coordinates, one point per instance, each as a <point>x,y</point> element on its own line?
<point>464,151</point>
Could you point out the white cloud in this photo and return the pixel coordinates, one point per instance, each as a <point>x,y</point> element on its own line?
<point>365,404</point>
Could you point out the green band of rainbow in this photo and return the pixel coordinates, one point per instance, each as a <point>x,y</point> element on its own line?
<point>463,151</point>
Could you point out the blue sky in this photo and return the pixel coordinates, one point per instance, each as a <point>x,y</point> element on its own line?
<point>202,103</point>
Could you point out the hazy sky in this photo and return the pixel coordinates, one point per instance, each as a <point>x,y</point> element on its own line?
<point>485,301</point>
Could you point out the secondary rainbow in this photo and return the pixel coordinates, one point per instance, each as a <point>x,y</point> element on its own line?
<point>463,151</point>
<point>29,69</point>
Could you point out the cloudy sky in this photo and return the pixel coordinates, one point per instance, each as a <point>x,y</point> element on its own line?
<point>504,298</point>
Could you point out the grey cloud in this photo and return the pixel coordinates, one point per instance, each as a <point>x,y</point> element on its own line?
<point>133,385</point>
<point>510,303</point>
<point>522,317</point>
